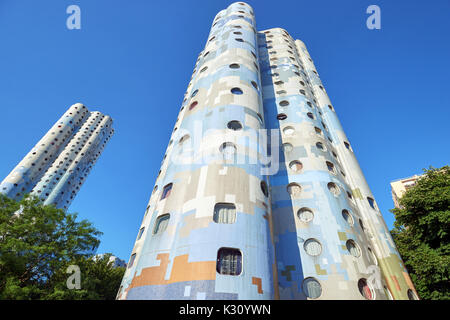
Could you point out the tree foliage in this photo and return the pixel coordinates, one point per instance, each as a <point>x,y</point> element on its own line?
<point>99,281</point>
<point>38,243</point>
<point>421,233</point>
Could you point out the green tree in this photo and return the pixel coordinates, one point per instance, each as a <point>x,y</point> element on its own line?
<point>99,280</point>
<point>38,243</point>
<point>421,233</point>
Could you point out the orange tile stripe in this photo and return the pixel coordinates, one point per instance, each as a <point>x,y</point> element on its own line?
<point>182,270</point>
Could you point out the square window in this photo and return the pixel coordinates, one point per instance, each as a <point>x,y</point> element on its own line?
<point>166,191</point>
<point>141,232</point>
<point>224,213</point>
<point>229,261</point>
<point>133,256</point>
<point>161,223</point>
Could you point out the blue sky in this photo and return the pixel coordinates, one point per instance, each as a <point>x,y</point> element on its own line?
<point>133,60</point>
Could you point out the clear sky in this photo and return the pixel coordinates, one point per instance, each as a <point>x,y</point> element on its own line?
<point>133,60</point>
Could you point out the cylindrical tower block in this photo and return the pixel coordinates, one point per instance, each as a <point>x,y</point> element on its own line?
<point>206,231</point>
<point>65,176</point>
<point>396,281</point>
<point>236,214</point>
<point>320,251</point>
<point>22,178</point>
<point>57,166</point>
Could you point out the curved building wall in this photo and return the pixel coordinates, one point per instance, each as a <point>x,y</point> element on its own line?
<point>211,163</point>
<point>396,281</point>
<point>310,191</point>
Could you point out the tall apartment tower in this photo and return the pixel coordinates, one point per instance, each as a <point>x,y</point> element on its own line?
<point>238,214</point>
<point>59,163</point>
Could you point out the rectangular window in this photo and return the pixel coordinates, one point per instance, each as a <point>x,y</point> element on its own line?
<point>347,145</point>
<point>133,256</point>
<point>161,223</point>
<point>371,202</point>
<point>224,213</point>
<point>229,261</point>
<point>166,191</point>
<point>141,232</point>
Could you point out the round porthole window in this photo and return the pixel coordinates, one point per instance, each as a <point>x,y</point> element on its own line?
<point>365,290</point>
<point>330,167</point>
<point>237,91</point>
<point>318,131</point>
<point>312,247</point>
<point>353,248</point>
<point>289,131</point>
<point>305,215</point>
<point>333,188</point>
<point>281,116</point>
<point>284,103</point>
<point>320,146</point>
<point>287,147</point>
<point>347,217</point>
<point>296,165</point>
<point>312,288</point>
<point>234,66</point>
<point>234,125</point>
<point>294,189</point>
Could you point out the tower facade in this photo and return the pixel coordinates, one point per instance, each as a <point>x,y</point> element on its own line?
<point>260,195</point>
<point>59,163</point>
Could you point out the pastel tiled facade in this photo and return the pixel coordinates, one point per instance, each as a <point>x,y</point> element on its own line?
<point>60,162</point>
<point>260,195</point>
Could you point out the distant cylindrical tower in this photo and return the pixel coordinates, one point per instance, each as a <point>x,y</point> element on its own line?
<point>65,176</point>
<point>24,176</point>
<point>206,231</point>
<point>57,166</point>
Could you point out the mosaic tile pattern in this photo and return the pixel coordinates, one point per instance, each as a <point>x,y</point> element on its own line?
<point>306,232</point>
